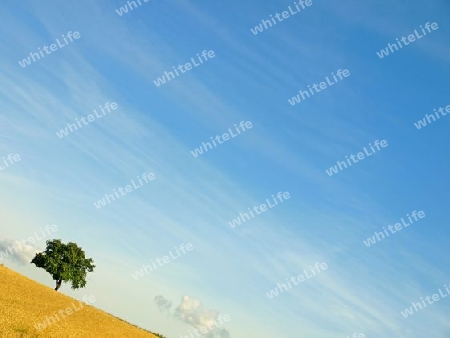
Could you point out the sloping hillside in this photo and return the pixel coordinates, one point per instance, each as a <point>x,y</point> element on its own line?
<point>25,305</point>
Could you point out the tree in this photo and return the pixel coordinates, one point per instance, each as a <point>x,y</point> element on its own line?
<point>65,262</point>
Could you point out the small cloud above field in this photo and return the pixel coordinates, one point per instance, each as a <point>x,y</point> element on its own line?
<point>191,311</point>
<point>163,303</point>
<point>16,251</point>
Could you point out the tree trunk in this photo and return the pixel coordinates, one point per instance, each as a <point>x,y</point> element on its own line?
<point>58,284</point>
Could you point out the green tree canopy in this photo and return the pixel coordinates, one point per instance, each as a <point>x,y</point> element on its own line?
<point>65,262</point>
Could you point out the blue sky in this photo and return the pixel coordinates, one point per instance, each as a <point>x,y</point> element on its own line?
<point>288,149</point>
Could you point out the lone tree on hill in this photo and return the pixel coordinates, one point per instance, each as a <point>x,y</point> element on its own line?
<point>65,262</point>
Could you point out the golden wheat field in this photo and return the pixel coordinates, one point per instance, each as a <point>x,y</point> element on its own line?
<point>25,303</point>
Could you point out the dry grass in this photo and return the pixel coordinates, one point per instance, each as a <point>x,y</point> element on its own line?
<point>25,303</point>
